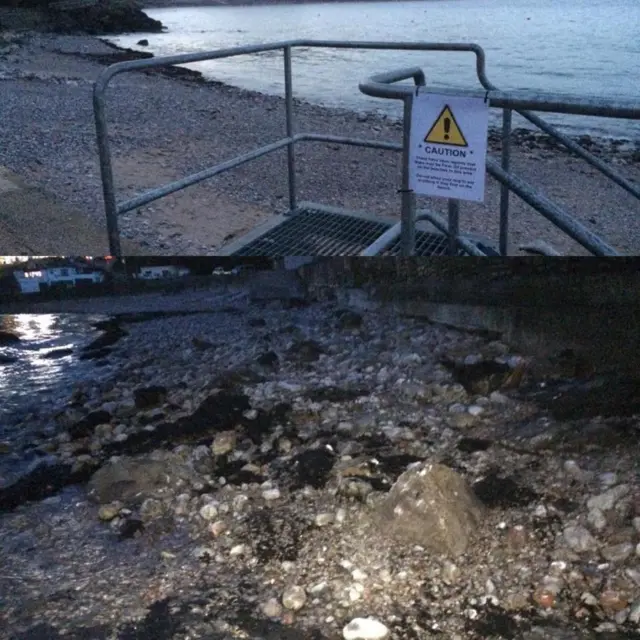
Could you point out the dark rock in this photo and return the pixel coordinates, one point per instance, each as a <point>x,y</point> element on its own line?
<point>471,445</point>
<point>504,492</point>
<point>44,479</point>
<point>306,351</point>
<point>85,427</point>
<point>433,506</point>
<point>57,353</point>
<point>268,359</point>
<point>221,411</point>
<point>264,423</point>
<point>484,377</point>
<point>585,141</point>
<point>606,397</point>
<point>95,354</point>
<point>7,337</point>
<point>312,468</point>
<point>231,380</point>
<point>201,345</point>
<point>349,319</point>
<point>108,339</point>
<point>143,43</point>
<point>149,397</point>
<point>7,359</point>
<point>257,322</point>
<point>334,394</point>
<point>130,528</point>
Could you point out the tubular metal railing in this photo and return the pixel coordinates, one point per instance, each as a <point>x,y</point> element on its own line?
<point>383,86</point>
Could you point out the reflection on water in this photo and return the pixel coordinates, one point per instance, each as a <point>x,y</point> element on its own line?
<point>35,371</point>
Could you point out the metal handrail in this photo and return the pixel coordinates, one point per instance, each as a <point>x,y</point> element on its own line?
<point>508,100</point>
<point>381,86</point>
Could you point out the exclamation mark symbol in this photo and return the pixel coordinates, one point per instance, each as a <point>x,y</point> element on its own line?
<point>447,127</point>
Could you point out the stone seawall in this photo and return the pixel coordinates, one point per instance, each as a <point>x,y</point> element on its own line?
<point>542,306</point>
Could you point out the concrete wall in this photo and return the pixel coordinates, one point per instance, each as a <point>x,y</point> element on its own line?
<point>540,305</point>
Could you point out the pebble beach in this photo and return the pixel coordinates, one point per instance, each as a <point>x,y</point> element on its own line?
<point>272,469</point>
<point>163,128</point>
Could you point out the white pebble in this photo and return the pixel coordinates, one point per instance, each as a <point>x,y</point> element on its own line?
<point>608,479</point>
<point>475,410</point>
<point>365,629</point>
<point>209,512</point>
<point>294,597</point>
<point>597,519</point>
<point>323,519</point>
<point>359,575</point>
<point>319,588</point>
<point>271,494</point>
<point>238,550</point>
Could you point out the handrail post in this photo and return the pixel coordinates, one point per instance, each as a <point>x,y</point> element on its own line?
<point>408,201</point>
<point>291,157</point>
<point>454,225</point>
<point>504,189</point>
<point>106,172</point>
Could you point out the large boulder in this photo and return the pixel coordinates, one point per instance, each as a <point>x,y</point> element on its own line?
<point>432,506</point>
<point>128,480</point>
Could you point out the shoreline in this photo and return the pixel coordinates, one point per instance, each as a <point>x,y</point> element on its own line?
<point>185,4</point>
<point>221,471</point>
<point>217,121</point>
<point>531,138</point>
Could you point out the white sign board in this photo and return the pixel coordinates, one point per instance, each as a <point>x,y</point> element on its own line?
<point>448,151</point>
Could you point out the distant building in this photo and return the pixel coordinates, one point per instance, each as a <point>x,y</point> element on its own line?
<point>157,273</point>
<point>41,279</point>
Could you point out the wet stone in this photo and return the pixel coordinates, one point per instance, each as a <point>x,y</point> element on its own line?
<point>224,443</point>
<point>597,520</point>
<point>149,397</point>
<point>607,500</point>
<point>108,512</point>
<point>579,539</point>
<point>617,552</point>
<point>151,509</point>
<point>271,608</point>
<point>294,597</point>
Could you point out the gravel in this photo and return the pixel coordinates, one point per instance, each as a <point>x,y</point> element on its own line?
<point>178,540</point>
<point>163,128</point>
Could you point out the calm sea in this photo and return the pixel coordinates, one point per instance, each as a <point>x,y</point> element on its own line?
<point>568,46</point>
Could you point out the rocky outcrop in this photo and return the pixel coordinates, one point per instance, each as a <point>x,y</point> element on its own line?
<point>104,18</point>
<point>99,17</point>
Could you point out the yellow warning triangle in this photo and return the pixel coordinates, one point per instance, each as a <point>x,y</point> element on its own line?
<point>445,130</point>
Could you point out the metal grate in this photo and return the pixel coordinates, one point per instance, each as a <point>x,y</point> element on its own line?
<point>312,232</point>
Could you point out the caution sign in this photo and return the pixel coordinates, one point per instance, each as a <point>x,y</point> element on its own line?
<point>448,146</point>
<point>446,130</point>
